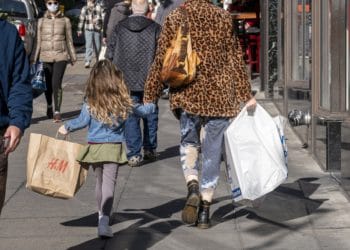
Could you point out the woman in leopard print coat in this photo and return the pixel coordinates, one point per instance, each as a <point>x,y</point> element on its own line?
<point>220,87</point>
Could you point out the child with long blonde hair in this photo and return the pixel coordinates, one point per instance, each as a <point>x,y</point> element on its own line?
<point>107,105</point>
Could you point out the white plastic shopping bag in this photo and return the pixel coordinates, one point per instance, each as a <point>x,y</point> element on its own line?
<point>281,123</point>
<point>102,53</point>
<point>255,156</point>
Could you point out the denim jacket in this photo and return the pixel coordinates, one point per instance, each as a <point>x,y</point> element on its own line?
<point>99,132</point>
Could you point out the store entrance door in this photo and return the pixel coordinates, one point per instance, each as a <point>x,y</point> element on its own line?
<point>246,19</point>
<point>297,66</point>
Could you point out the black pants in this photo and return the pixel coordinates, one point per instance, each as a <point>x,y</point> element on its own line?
<point>53,75</point>
<point>3,169</point>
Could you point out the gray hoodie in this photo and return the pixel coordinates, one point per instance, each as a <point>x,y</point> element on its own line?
<point>164,9</point>
<point>120,11</point>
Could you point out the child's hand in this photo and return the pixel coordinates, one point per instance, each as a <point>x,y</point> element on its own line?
<point>62,130</point>
<point>144,110</point>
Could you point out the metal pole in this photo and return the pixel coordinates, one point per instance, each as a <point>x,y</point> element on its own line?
<point>287,52</point>
<point>304,38</point>
<point>264,33</point>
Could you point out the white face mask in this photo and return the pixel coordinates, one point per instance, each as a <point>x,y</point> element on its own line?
<point>52,7</point>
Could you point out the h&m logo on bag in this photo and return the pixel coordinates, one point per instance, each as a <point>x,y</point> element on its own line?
<point>58,165</point>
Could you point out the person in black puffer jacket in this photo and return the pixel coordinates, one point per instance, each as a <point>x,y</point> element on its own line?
<point>132,49</point>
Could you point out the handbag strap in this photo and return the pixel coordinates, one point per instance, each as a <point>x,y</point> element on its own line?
<point>185,26</point>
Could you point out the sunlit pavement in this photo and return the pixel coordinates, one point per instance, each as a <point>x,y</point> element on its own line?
<point>309,211</point>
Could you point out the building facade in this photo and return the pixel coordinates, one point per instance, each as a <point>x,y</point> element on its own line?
<point>305,66</point>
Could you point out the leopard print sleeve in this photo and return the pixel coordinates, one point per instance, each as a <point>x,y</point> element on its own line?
<point>153,85</point>
<point>242,87</point>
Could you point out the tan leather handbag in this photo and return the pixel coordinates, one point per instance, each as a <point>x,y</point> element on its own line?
<point>180,61</point>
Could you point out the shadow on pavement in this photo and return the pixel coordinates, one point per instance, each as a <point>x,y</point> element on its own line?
<point>86,221</point>
<point>152,226</point>
<point>162,155</point>
<point>275,217</point>
<point>169,153</point>
<point>282,213</point>
<point>139,235</point>
<point>289,201</point>
<point>65,116</point>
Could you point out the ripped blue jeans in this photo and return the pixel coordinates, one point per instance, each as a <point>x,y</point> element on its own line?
<point>209,140</point>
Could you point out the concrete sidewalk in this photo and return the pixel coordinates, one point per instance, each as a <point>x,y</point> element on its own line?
<point>309,211</point>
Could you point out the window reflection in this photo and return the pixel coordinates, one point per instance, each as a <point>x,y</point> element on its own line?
<point>299,86</point>
<point>301,30</point>
<point>348,59</point>
<point>325,56</point>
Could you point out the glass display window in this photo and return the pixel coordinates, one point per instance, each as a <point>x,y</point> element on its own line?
<point>325,85</point>
<point>348,57</point>
<point>301,44</point>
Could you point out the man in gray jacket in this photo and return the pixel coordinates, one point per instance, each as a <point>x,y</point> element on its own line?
<point>164,9</point>
<point>118,11</point>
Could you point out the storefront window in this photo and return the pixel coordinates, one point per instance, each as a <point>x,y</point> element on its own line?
<point>298,53</point>
<point>348,58</point>
<point>325,56</point>
<point>280,40</point>
<point>333,91</point>
<point>301,46</point>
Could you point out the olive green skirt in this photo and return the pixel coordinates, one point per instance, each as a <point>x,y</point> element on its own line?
<point>107,152</point>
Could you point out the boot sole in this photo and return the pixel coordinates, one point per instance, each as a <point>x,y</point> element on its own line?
<point>203,226</point>
<point>190,211</point>
<point>105,237</point>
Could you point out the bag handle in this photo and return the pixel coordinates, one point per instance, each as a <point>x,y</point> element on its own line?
<point>39,27</point>
<point>185,26</point>
<point>66,137</point>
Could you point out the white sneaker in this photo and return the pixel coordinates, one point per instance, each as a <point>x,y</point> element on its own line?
<point>87,65</point>
<point>135,161</point>
<point>104,230</point>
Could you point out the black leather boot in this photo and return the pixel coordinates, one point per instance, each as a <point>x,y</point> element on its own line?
<point>203,215</point>
<point>190,211</point>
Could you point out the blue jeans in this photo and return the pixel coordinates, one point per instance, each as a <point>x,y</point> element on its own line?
<point>133,133</point>
<point>92,40</point>
<point>211,144</point>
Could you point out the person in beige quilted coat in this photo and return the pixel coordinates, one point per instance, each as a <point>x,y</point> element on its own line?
<point>55,49</point>
<point>207,104</point>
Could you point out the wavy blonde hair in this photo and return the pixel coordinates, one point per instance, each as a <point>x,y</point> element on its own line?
<point>106,93</point>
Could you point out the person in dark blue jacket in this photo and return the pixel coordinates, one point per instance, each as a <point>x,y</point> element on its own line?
<point>15,97</point>
<point>132,48</point>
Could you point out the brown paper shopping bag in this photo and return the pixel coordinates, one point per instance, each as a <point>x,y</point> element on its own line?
<point>51,167</point>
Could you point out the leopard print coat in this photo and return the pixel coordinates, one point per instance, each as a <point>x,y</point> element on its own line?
<point>221,83</point>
